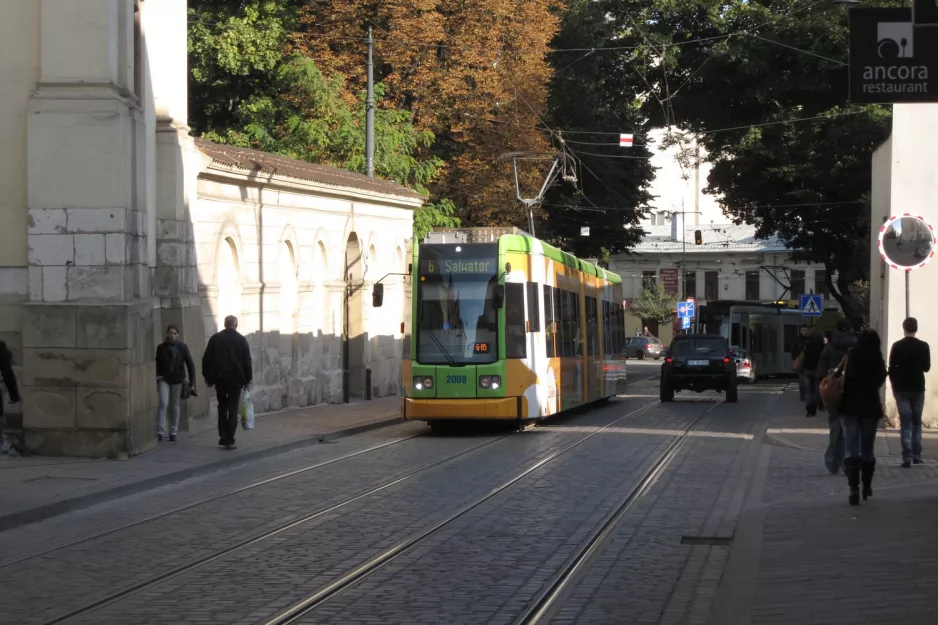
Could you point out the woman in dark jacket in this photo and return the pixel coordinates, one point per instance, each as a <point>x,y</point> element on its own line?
<point>860,411</point>
<point>172,362</point>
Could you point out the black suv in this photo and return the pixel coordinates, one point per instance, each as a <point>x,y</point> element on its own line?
<point>699,362</point>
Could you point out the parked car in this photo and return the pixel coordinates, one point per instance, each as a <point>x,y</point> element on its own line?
<point>699,362</point>
<point>745,367</point>
<point>643,347</point>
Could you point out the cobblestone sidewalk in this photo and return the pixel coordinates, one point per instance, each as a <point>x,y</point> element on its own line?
<point>802,556</point>
<point>35,488</point>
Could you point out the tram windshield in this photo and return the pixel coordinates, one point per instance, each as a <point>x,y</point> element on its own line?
<point>457,322</point>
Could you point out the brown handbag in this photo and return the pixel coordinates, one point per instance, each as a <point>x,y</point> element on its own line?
<point>831,387</point>
<point>798,363</point>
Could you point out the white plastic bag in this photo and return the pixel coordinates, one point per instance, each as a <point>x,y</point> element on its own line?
<point>246,410</point>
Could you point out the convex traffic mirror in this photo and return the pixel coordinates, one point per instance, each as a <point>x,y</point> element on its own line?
<point>906,242</point>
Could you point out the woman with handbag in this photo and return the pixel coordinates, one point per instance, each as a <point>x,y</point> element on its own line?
<point>833,353</point>
<point>173,361</point>
<point>864,373</point>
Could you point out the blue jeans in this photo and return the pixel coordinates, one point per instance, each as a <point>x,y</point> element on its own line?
<point>834,456</point>
<point>802,386</point>
<point>859,437</point>
<point>910,405</point>
<point>811,392</point>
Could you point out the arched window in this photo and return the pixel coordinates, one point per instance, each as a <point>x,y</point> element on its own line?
<point>229,282</point>
<point>286,274</point>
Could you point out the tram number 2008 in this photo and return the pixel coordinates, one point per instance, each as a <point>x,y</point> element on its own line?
<point>456,379</point>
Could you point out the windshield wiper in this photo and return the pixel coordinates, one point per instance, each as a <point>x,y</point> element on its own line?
<point>449,359</point>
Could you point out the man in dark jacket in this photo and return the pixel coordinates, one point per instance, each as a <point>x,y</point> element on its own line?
<point>796,350</point>
<point>909,361</point>
<point>226,365</point>
<point>813,347</point>
<point>9,379</point>
<point>844,340</point>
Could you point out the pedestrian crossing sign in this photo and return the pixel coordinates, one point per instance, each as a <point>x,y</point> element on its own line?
<point>811,305</point>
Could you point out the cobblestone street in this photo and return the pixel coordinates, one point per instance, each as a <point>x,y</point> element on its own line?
<point>630,512</point>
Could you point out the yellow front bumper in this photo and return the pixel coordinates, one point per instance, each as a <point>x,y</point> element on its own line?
<point>508,408</point>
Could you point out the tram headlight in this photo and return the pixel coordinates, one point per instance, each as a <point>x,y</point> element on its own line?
<point>490,381</point>
<point>423,382</point>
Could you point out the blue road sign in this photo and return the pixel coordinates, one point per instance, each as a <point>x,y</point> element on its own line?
<point>691,309</point>
<point>811,305</point>
<point>685,323</point>
<point>682,310</point>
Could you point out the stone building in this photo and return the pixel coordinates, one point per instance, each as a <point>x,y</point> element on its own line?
<point>729,264</point>
<point>114,223</point>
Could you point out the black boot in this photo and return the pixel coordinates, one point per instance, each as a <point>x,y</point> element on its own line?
<point>868,469</point>
<point>852,470</point>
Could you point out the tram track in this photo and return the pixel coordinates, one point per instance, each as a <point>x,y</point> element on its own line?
<point>545,605</point>
<point>296,612</point>
<point>200,562</point>
<point>212,499</point>
<point>193,565</point>
<point>230,493</point>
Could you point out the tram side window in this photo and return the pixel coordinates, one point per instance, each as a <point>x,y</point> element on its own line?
<point>591,329</point>
<point>515,339</point>
<point>607,329</point>
<point>557,298</point>
<point>566,325</point>
<point>549,319</point>
<point>534,307</point>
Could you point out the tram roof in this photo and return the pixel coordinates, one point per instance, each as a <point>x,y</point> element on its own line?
<point>522,243</point>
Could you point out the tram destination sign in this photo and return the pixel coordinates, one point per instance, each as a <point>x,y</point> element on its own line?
<point>891,59</point>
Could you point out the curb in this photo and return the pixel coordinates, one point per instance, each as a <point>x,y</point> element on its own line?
<point>48,511</point>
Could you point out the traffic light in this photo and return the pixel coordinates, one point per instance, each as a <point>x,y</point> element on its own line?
<point>698,237</point>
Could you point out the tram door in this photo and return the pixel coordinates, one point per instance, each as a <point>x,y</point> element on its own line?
<point>739,330</point>
<point>762,338</point>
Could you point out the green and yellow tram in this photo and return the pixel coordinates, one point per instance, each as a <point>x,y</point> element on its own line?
<point>510,329</point>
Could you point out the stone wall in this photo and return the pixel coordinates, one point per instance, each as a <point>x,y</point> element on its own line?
<point>275,254</point>
<point>88,385</point>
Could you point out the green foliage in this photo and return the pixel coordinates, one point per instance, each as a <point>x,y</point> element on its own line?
<point>440,214</point>
<point>593,92</point>
<point>310,121</point>
<point>733,74</point>
<point>235,49</point>
<point>653,303</point>
<point>284,104</point>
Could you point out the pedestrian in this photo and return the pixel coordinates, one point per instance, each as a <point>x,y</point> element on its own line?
<point>648,332</point>
<point>9,380</point>
<point>860,411</point>
<point>226,365</point>
<point>173,362</point>
<point>797,349</point>
<point>813,347</point>
<point>909,361</point>
<point>844,339</point>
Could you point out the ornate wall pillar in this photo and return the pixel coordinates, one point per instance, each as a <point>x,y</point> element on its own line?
<point>88,375</point>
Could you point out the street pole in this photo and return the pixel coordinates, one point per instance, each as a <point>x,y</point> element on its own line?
<point>908,307</point>
<point>370,111</point>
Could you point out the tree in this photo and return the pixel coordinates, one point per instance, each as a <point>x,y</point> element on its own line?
<point>246,92</point>
<point>441,214</point>
<point>763,88</point>
<point>589,93</point>
<point>235,49</point>
<point>473,73</point>
<point>653,303</point>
